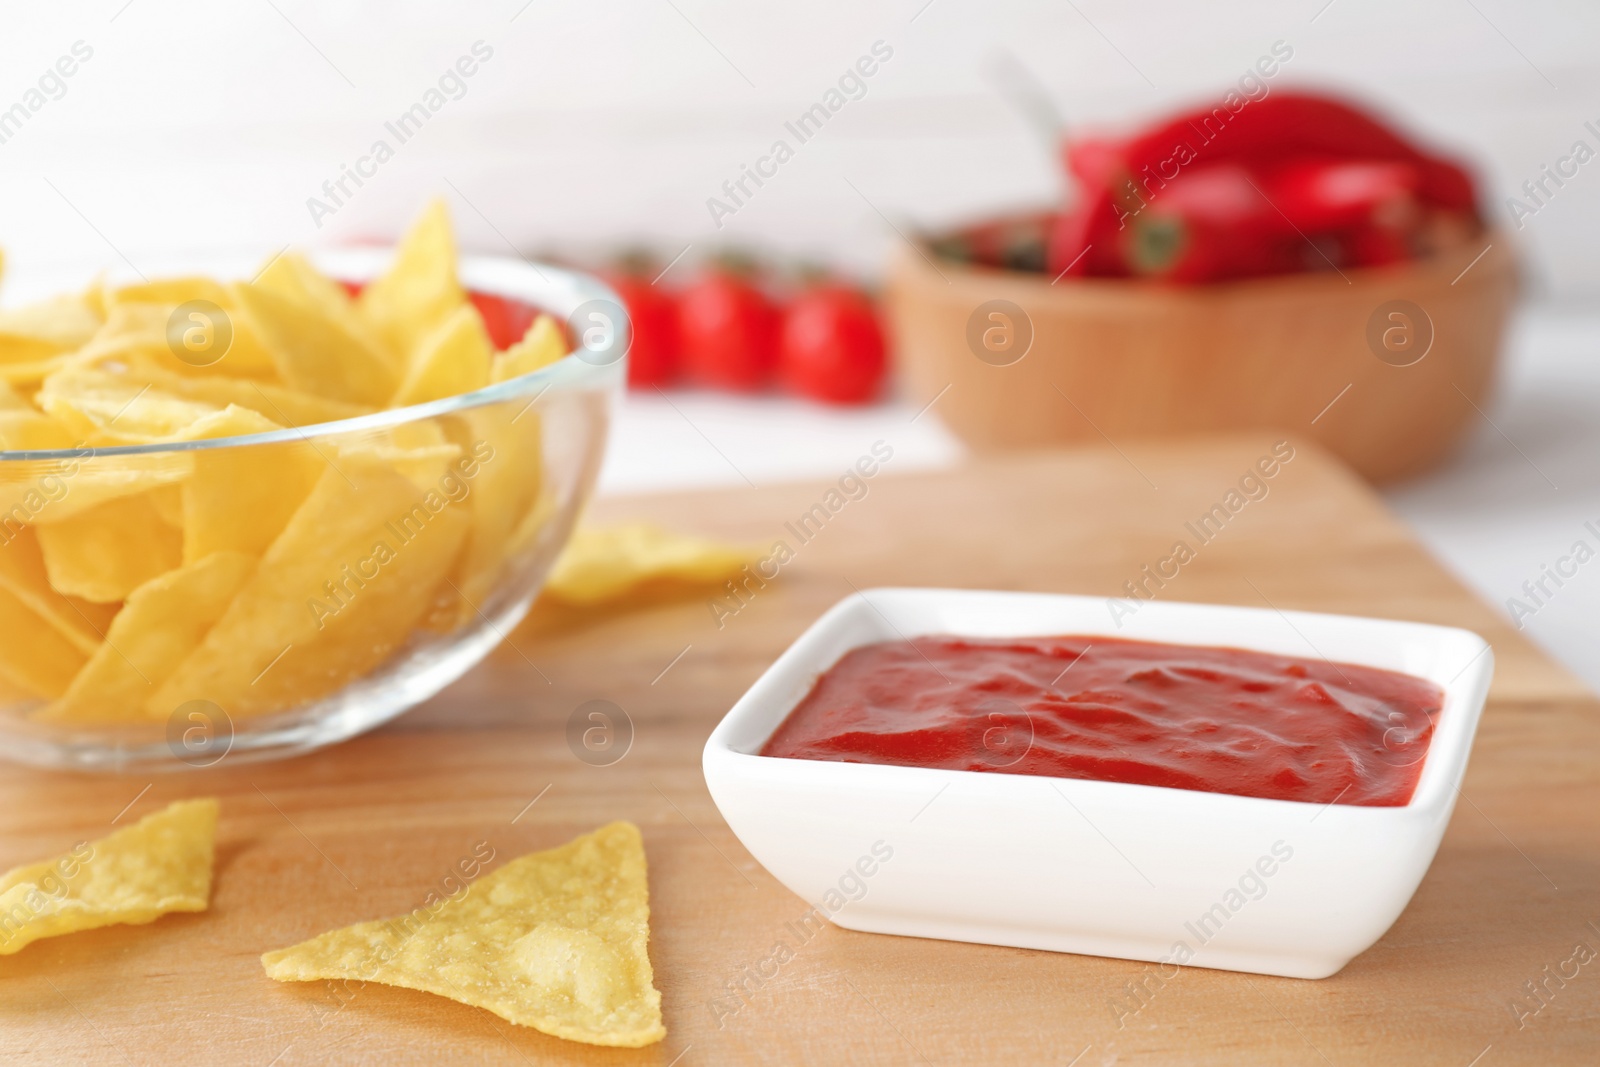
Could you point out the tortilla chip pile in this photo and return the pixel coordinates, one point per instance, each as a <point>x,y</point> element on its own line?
<point>555,940</point>
<point>257,577</point>
<point>134,876</point>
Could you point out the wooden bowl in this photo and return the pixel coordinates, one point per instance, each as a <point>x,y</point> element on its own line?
<point>1382,366</point>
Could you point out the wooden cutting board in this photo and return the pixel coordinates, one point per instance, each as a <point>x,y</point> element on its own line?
<point>367,829</point>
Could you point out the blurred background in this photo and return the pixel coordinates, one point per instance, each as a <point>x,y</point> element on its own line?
<point>588,129</point>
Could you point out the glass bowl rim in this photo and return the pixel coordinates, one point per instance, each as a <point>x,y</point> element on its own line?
<point>553,290</point>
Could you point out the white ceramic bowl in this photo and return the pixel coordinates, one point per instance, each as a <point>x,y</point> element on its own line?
<point>1170,876</point>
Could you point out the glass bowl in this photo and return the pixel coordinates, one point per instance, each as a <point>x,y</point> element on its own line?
<point>396,549</point>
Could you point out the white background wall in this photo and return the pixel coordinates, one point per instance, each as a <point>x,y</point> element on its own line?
<point>597,124</point>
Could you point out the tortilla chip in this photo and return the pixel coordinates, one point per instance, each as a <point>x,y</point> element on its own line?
<point>112,409</point>
<point>159,865</point>
<point>452,360</point>
<point>314,352</point>
<point>556,940</point>
<point>241,498</point>
<point>61,490</point>
<point>46,328</point>
<point>287,407</point>
<point>11,400</point>
<point>292,275</point>
<point>160,624</point>
<point>22,574</point>
<point>419,291</point>
<point>168,502</point>
<point>169,292</point>
<point>503,449</point>
<point>27,430</point>
<point>607,564</point>
<point>338,591</point>
<point>34,656</point>
<point>106,552</point>
<point>542,345</point>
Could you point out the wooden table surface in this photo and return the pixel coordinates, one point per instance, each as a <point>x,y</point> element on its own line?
<point>369,828</point>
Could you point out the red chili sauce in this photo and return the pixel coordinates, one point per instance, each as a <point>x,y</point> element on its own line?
<point>1218,720</point>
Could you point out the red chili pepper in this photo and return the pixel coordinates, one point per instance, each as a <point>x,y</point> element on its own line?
<point>1158,203</point>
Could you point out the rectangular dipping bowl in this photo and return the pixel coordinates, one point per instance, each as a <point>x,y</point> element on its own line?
<point>1169,876</point>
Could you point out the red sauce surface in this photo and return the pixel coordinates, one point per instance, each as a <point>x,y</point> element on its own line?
<point>1218,720</point>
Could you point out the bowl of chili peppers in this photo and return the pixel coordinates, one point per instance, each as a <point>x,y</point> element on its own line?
<point>1290,262</point>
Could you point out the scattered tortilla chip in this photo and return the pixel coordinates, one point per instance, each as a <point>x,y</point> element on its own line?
<point>313,352</point>
<point>22,574</point>
<point>542,345</point>
<point>35,656</point>
<point>419,291</point>
<point>339,590</point>
<point>160,624</point>
<point>556,940</point>
<point>607,564</point>
<point>161,864</point>
<point>452,360</point>
<point>108,551</point>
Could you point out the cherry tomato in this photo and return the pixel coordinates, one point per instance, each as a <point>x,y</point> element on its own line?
<point>729,331</point>
<point>832,347</point>
<point>653,314</point>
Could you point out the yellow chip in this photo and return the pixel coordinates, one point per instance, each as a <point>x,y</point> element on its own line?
<point>501,448</point>
<point>292,275</point>
<point>240,499</point>
<point>144,328</point>
<point>106,552</point>
<point>452,360</point>
<point>105,408</point>
<point>11,400</point>
<point>419,291</point>
<point>169,291</point>
<point>556,940</point>
<point>287,407</point>
<point>22,574</point>
<point>338,591</point>
<point>605,564</point>
<point>542,345</point>
<point>168,502</point>
<point>161,864</point>
<point>46,328</point>
<point>67,488</point>
<point>23,430</point>
<point>161,623</point>
<point>315,353</point>
<point>34,656</point>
